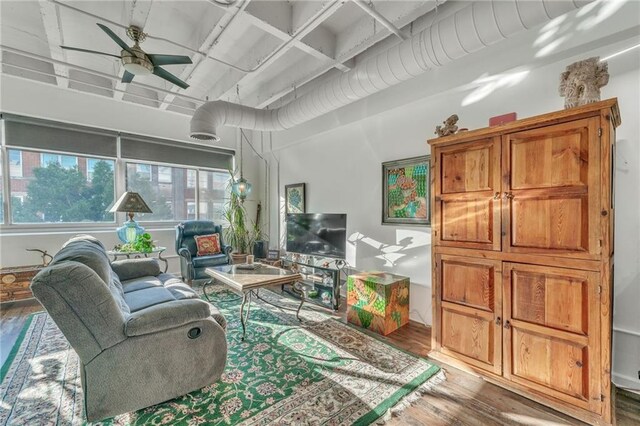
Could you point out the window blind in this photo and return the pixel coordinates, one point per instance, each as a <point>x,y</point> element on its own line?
<point>32,133</point>
<point>172,152</point>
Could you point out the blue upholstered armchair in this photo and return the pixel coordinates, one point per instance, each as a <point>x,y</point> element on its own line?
<point>192,266</point>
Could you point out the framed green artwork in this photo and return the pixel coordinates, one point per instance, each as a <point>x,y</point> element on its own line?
<point>294,198</point>
<point>405,191</point>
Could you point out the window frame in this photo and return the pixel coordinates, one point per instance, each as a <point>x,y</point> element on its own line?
<point>120,164</point>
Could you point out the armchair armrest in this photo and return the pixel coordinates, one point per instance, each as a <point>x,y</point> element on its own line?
<point>184,252</point>
<point>167,315</point>
<point>227,250</point>
<point>129,269</point>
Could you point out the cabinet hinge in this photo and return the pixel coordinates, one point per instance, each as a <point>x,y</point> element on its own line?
<point>600,131</point>
<point>599,289</point>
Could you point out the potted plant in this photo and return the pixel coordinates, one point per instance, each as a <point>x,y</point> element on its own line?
<point>260,244</point>
<point>239,234</point>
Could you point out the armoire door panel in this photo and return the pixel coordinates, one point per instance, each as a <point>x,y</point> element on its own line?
<point>550,223</point>
<point>468,283</point>
<point>467,195</point>
<point>469,310</point>
<point>551,190</point>
<point>468,169</point>
<point>555,159</point>
<point>467,221</point>
<point>555,365</point>
<point>470,335</point>
<point>551,331</point>
<point>555,300</point>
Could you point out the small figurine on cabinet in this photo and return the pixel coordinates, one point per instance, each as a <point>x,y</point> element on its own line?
<point>581,82</point>
<point>448,126</point>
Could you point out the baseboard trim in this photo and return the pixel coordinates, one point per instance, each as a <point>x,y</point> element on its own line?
<point>624,381</point>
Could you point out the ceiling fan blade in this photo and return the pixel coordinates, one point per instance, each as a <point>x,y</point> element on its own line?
<point>89,51</point>
<point>127,77</point>
<point>115,38</point>
<point>158,60</point>
<point>169,77</point>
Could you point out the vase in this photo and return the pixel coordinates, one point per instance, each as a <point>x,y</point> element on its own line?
<point>238,258</point>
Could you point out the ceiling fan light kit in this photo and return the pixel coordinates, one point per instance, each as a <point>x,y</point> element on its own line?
<point>136,64</point>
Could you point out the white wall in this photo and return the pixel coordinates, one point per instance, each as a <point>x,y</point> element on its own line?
<point>339,155</point>
<point>30,98</point>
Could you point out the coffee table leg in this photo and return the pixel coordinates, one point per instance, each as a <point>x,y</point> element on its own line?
<point>246,297</point>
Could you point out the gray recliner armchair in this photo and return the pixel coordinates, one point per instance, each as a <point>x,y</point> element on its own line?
<point>192,266</point>
<point>143,337</point>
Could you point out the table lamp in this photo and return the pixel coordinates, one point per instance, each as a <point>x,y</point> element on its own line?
<point>130,203</point>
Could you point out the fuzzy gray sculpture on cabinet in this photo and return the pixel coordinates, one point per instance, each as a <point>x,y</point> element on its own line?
<point>581,82</point>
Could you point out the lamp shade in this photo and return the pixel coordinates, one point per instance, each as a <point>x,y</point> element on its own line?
<point>130,202</point>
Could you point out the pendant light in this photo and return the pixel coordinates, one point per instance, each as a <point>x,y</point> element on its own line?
<point>241,187</point>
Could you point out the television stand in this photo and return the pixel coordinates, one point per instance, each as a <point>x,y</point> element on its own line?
<point>320,284</point>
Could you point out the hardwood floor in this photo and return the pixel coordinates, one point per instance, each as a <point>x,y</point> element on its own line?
<point>463,399</point>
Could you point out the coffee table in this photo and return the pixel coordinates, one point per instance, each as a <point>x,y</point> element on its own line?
<point>248,282</point>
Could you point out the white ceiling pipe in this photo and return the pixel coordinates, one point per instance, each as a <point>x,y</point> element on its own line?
<point>469,29</point>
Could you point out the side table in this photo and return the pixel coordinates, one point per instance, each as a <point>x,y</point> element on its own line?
<point>378,301</point>
<point>139,254</point>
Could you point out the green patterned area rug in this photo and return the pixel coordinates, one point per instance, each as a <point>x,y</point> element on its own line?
<point>320,371</point>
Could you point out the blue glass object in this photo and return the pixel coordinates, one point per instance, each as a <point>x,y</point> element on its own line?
<point>129,231</point>
<point>241,188</point>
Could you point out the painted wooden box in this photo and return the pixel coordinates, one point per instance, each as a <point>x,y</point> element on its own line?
<point>378,301</point>
<point>15,282</point>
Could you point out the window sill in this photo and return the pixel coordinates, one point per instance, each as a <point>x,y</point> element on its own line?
<point>42,229</point>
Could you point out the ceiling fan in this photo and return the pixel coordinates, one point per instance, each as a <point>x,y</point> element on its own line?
<point>136,61</point>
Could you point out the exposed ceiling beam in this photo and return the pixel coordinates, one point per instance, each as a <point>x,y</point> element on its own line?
<point>53,30</point>
<point>380,18</point>
<point>294,40</point>
<point>349,44</point>
<point>137,16</point>
<point>208,45</point>
<point>308,47</point>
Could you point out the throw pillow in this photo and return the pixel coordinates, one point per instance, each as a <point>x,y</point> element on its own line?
<point>208,244</point>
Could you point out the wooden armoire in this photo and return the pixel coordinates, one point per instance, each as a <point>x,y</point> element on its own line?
<point>522,231</point>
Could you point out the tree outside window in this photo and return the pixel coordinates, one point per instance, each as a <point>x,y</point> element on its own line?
<point>72,198</point>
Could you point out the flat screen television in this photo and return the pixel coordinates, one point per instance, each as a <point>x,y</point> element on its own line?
<point>317,234</point>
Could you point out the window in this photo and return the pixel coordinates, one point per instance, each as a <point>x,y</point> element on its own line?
<point>92,163</point>
<point>66,161</point>
<point>191,210</point>
<point>164,174</point>
<point>167,200</point>
<point>191,180</point>
<point>15,163</point>
<point>54,190</point>
<point>144,171</point>
<point>214,193</point>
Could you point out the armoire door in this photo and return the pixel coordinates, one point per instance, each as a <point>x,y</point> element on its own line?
<point>467,195</point>
<point>470,310</point>
<point>551,332</point>
<point>551,192</point>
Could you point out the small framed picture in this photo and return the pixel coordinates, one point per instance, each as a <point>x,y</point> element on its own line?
<point>294,197</point>
<point>273,254</point>
<point>405,191</point>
